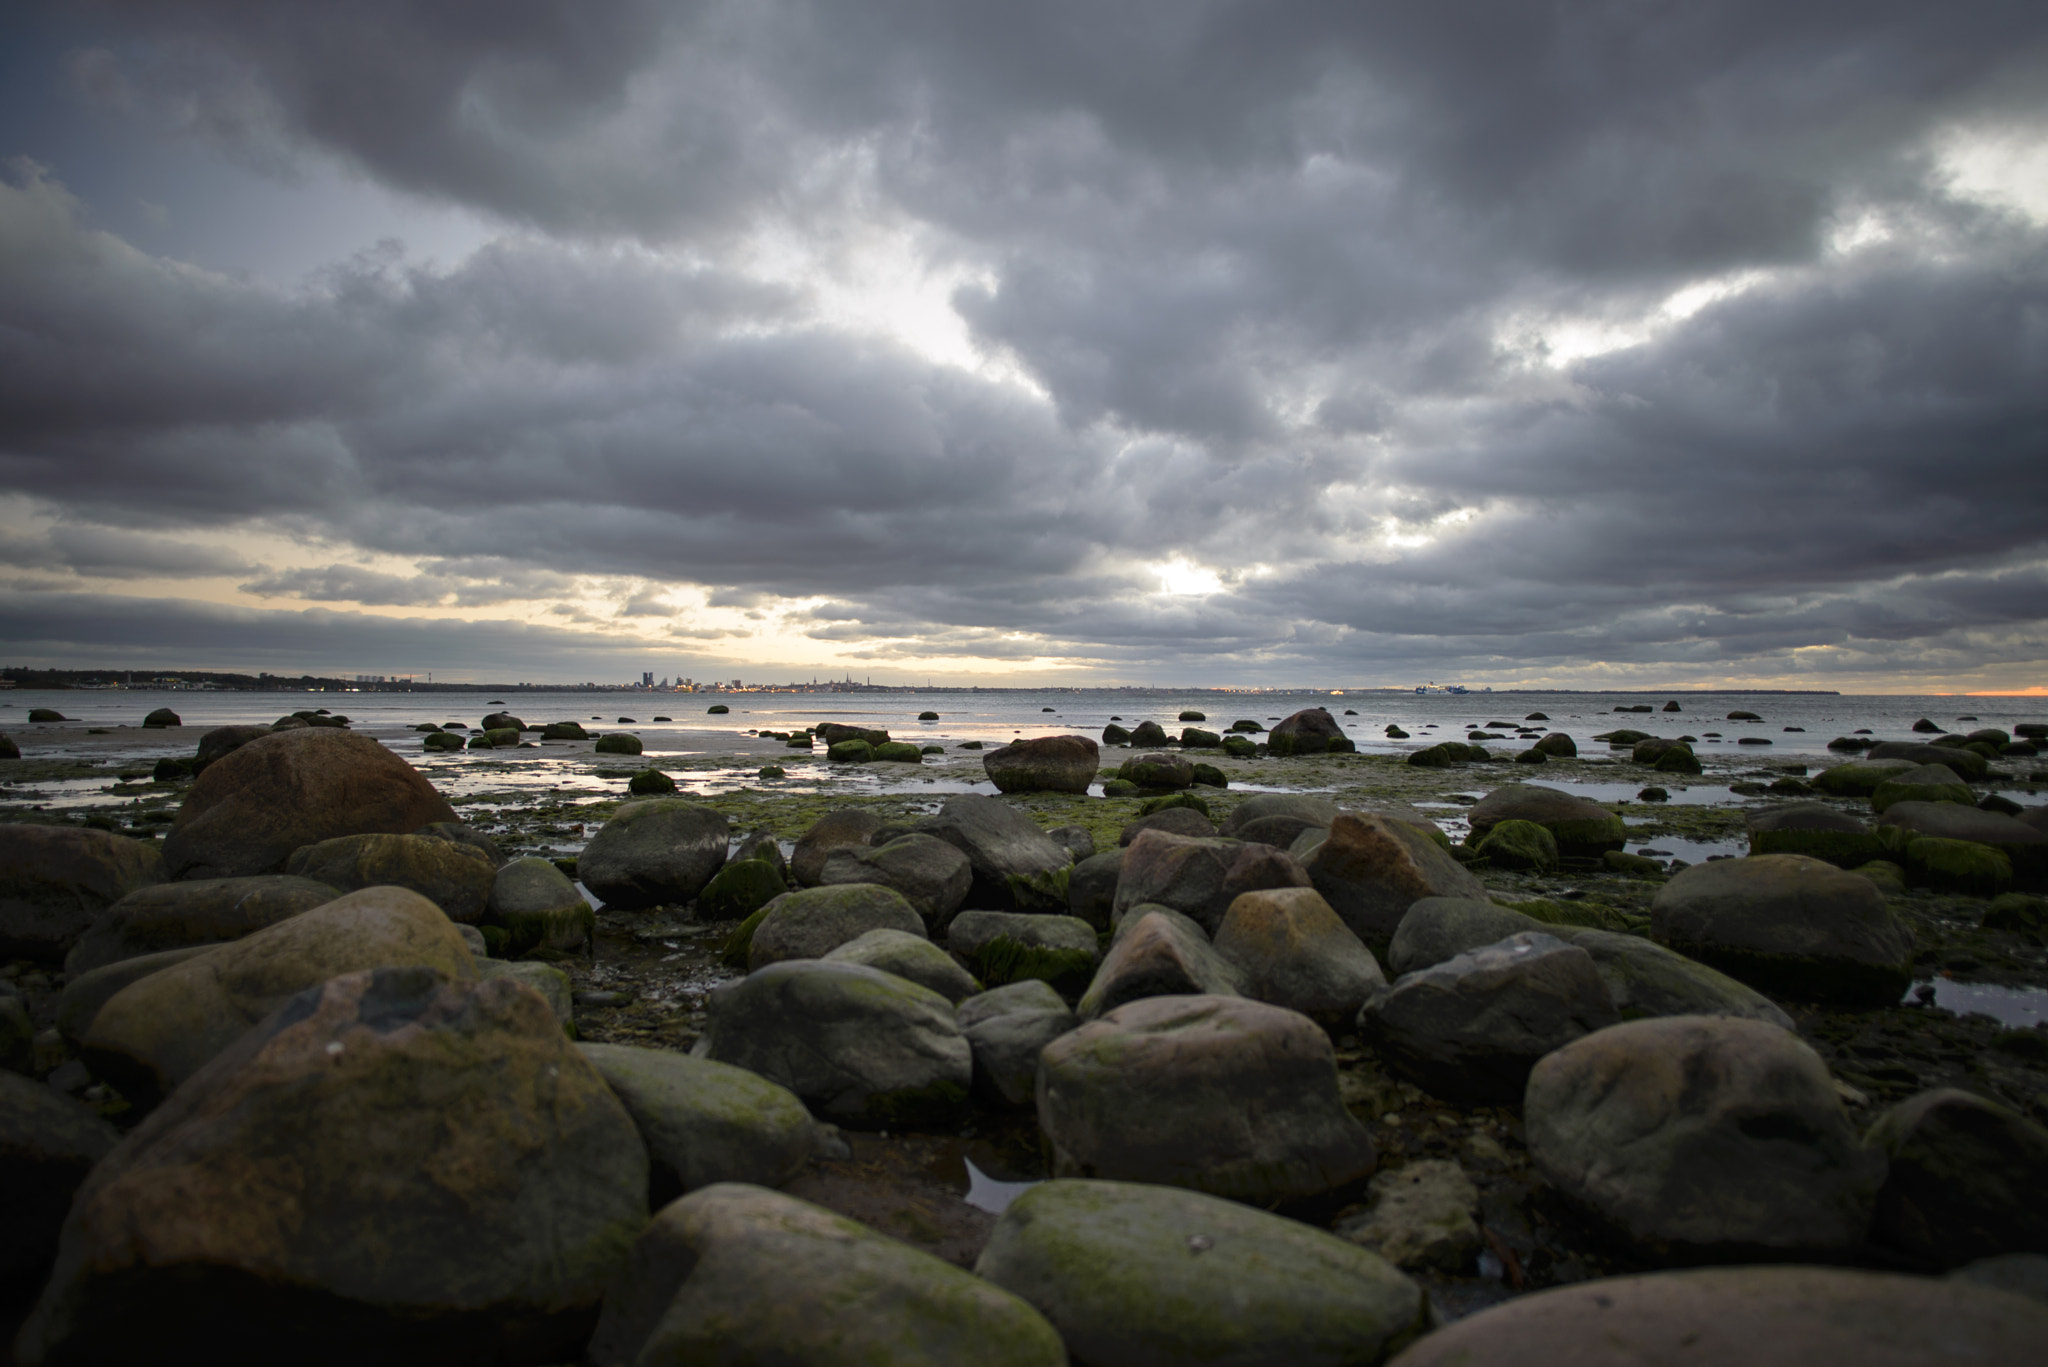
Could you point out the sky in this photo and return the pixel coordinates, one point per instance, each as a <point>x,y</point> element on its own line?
<point>1172,342</point>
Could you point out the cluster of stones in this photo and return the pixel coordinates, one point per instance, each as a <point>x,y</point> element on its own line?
<point>369,1137</point>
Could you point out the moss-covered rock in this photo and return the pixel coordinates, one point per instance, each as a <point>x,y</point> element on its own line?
<point>617,743</point>
<point>1958,866</point>
<point>537,906</point>
<point>1924,783</point>
<point>1515,844</point>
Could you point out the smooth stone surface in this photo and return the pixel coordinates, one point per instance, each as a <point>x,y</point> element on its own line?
<point>1157,952</point>
<point>1217,1094</point>
<point>1016,866</point>
<point>2026,846</point>
<point>48,1143</point>
<point>1708,1131</point>
<point>1440,928</point>
<point>308,1188</point>
<point>1966,1178</point>
<point>1277,818</point>
<point>861,1047</point>
<point>538,905</point>
<point>1471,1027</point>
<point>83,996</point>
<point>1007,946</point>
<point>256,804</point>
<point>1746,1317</point>
<point>1787,924</point>
<point>706,1122</point>
<point>205,911</point>
<point>1293,951</point>
<point>56,881</point>
<point>932,875</point>
<point>834,830</point>
<point>1311,731</point>
<point>812,922</point>
<point>1858,778</point>
<point>1813,829</point>
<point>1173,821</point>
<point>1007,1047</point>
<point>1922,783</point>
<point>1645,979</point>
<point>455,877</point>
<point>1200,877</point>
<point>740,1274</point>
<point>1025,995</point>
<point>1582,828</point>
<point>1091,888</point>
<point>157,1032</point>
<point>908,956</point>
<point>1371,868</point>
<point>1518,844</point>
<point>661,851</point>
<point>1044,764</point>
<point>1967,764</point>
<point>1149,1276</point>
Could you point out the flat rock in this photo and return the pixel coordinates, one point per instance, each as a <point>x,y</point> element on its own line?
<point>204,911</point>
<point>1470,1028</point>
<point>1787,924</point>
<point>1582,828</point>
<point>1044,764</point>
<point>308,1188</point>
<point>908,956</point>
<point>1966,1178</point>
<point>1372,868</point>
<point>251,808</point>
<point>1710,1132</point>
<point>861,1047</point>
<point>932,875</point>
<point>157,1032</point>
<point>706,1122</point>
<point>1149,1276</point>
<point>1016,866</point>
<point>453,876</point>
<point>1157,952</point>
<point>653,853</point>
<point>740,1274</point>
<point>1200,877</point>
<point>1217,1094</point>
<point>55,881</point>
<point>1293,951</point>
<point>812,922</point>
<point>1745,1317</point>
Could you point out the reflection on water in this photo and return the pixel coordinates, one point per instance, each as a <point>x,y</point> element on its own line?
<point>986,1193</point>
<point>2019,1008</point>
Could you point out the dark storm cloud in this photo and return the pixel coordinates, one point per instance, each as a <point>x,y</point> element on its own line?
<point>1281,277</point>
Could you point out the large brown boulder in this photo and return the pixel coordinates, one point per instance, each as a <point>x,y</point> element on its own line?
<point>252,808</point>
<point>1582,828</point>
<point>398,1168</point>
<point>1044,764</point>
<point>222,740</point>
<point>202,911</point>
<point>55,881</point>
<point>1372,868</point>
<point>1200,876</point>
<point>1310,731</point>
<point>455,877</point>
<point>154,1034</point>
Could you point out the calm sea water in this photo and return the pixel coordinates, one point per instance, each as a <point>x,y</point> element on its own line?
<point>1796,725</point>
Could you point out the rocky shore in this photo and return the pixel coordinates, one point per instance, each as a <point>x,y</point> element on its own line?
<point>1178,1044</point>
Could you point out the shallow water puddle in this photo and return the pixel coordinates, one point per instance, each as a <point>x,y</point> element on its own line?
<point>986,1193</point>
<point>2019,1008</point>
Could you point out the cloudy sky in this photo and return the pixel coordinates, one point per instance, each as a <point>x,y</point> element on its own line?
<point>1184,342</point>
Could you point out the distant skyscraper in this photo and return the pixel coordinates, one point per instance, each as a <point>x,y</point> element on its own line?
<point>647,678</point>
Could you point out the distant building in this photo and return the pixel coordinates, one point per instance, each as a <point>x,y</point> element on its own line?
<point>647,678</point>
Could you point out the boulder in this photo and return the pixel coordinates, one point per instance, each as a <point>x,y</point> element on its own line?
<point>1646,979</point>
<point>1518,844</point>
<point>862,1047</point>
<point>1966,1178</point>
<point>1149,1276</point>
<point>1044,764</point>
<point>48,1143</point>
<point>1745,1317</point>
<point>1171,820</point>
<point>1582,828</point>
<point>1157,952</point>
<point>1470,1028</point>
<point>911,957</point>
<point>1016,866</point>
<point>1217,1094</point>
<point>1959,866</point>
<point>1147,735</point>
<point>157,1032</point>
<point>1077,841</point>
<point>1557,745</point>
<point>456,878</point>
<point>206,911</point>
<point>847,826</point>
<point>85,993</point>
<point>1789,925</point>
<point>1372,868</point>
<point>1277,818</point>
<point>221,740</point>
<point>1439,928</point>
<point>56,881</point>
<point>312,1188</point>
<point>1970,765</point>
<point>263,800</point>
<point>551,983</point>
<point>1815,830</point>
<point>611,743</point>
<point>1012,946</point>
<point>564,730</point>
<point>1158,770</point>
<point>812,922</point>
<point>741,1274</point>
<point>661,851</point>
<point>1858,779</point>
<point>1200,877</point>
<point>740,889</point>
<point>1310,731</point>
<point>538,907</point>
<point>1007,1027</point>
<point>705,1122</point>
<point>1922,783</point>
<point>2022,842</point>
<point>1091,888</point>
<point>1422,1215</point>
<point>1708,1132</point>
<point>504,721</point>
<point>1292,950</point>
<point>932,875</point>
<point>833,733</point>
<point>8,749</point>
